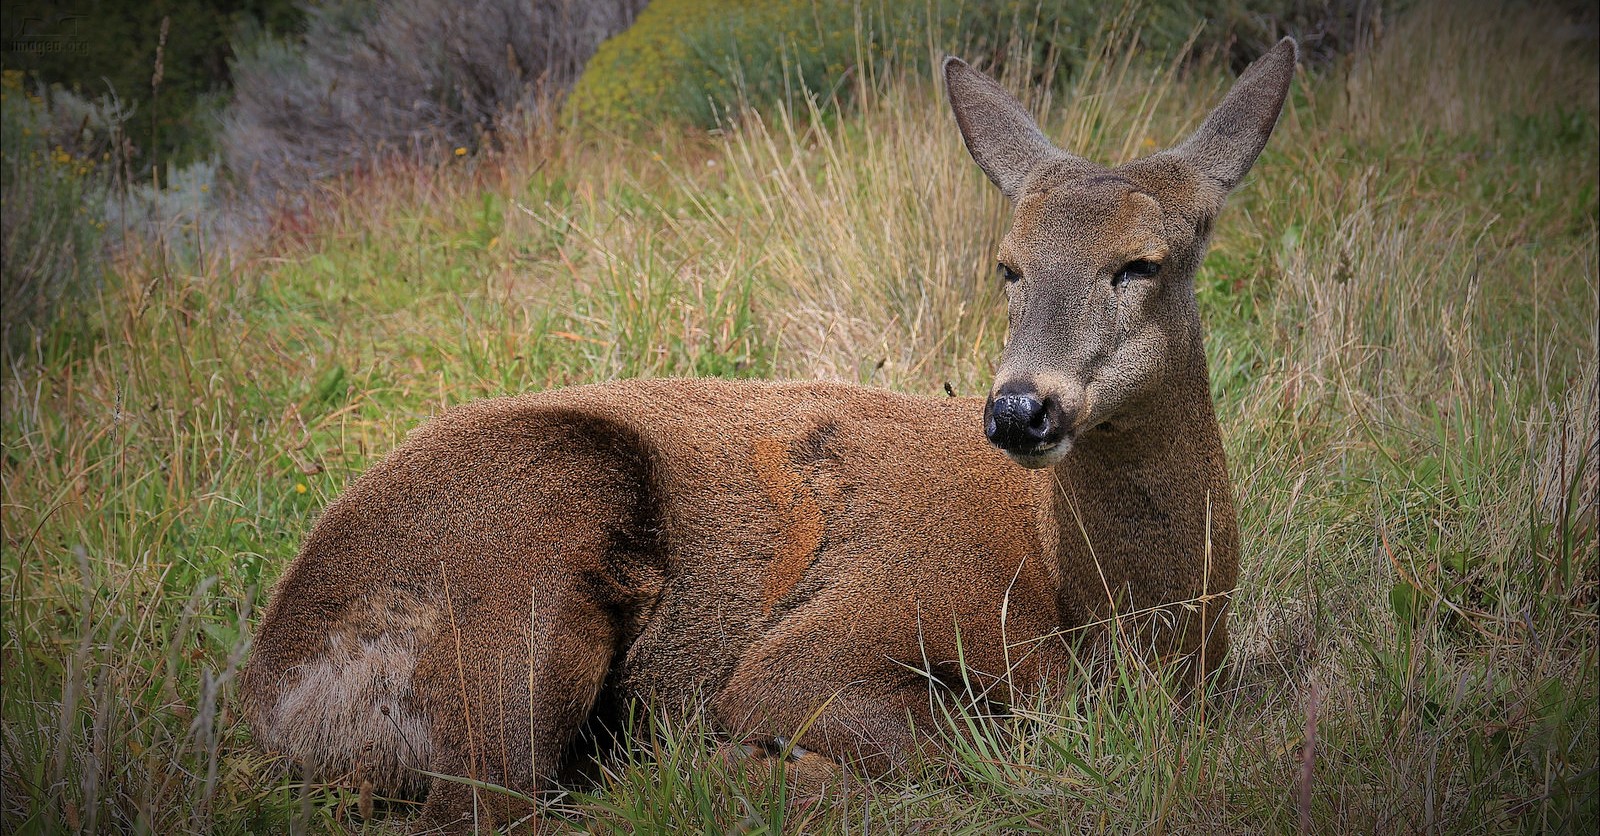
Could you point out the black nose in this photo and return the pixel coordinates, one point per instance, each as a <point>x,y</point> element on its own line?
<point>1021,423</point>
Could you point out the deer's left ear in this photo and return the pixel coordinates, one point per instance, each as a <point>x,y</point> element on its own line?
<point>1227,144</point>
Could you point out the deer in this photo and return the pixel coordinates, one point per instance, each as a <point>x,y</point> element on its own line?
<point>816,568</point>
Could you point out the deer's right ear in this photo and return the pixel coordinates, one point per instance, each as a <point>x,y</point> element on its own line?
<point>999,133</point>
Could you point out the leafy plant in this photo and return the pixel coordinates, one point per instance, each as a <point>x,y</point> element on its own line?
<point>56,179</point>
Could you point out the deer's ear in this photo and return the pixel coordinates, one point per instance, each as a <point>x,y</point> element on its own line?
<point>1231,138</point>
<point>999,133</point>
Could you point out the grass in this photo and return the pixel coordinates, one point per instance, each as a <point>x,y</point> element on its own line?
<point>1402,312</point>
<point>54,221</point>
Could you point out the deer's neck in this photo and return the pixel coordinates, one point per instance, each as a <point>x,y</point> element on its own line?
<point>1142,515</point>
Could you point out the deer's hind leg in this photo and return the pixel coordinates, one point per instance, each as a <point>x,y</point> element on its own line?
<point>528,634</point>
<point>509,696</point>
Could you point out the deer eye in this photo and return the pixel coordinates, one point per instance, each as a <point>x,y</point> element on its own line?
<point>1008,274</point>
<point>1140,269</point>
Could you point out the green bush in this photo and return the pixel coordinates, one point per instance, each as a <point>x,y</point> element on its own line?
<point>96,49</point>
<point>54,185</point>
<point>700,60</point>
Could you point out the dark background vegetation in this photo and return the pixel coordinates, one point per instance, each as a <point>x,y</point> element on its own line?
<point>367,51</point>
<point>99,48</point>
<point>255,101</point>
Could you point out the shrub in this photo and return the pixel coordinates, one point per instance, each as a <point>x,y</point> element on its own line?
<point>54,182</point>
<point>702,59</point>
<point>95,48</point>
<point>369,79</point>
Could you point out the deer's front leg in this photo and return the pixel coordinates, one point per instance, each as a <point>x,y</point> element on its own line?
<point>828,687</point>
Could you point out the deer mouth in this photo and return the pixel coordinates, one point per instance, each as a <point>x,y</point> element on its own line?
<point>1041,456</point>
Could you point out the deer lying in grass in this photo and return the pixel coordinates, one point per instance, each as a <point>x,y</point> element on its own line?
<point>799,559</point>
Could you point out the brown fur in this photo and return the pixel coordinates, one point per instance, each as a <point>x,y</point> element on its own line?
<point>800,556</point>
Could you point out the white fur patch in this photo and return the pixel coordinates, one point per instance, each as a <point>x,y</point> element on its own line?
<point>350,715</point>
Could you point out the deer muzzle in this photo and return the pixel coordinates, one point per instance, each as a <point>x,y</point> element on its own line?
<point>1034,430</point>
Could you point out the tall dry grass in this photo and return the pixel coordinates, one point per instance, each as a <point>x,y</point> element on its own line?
<point>883,232</point>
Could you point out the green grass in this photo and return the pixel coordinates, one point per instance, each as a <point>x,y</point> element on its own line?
<point>1401,305</point>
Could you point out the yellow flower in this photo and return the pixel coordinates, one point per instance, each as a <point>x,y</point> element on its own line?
<point>461,152</point>
<point>299,487</point>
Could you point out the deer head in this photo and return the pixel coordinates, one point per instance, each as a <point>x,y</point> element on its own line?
<point>1099,263</point>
